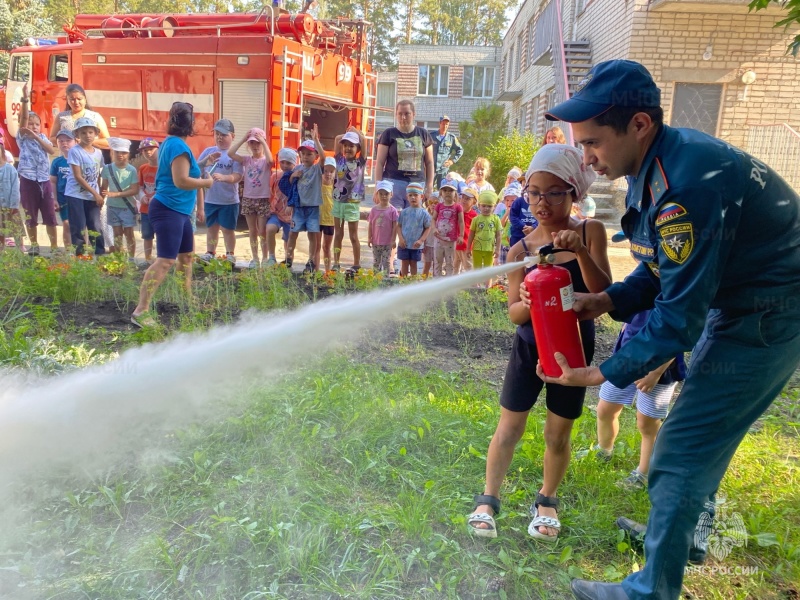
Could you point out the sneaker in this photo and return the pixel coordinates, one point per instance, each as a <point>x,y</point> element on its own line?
<point>254,263</point>
<point>206,258</point>
<point>309,268</point>
<point>634,482</point>
<point>269,262</point>
<point>230,258</point>
<point>335,268</point>
<point>596,452</point>
<point>33,251</point>
<point>288,263</point>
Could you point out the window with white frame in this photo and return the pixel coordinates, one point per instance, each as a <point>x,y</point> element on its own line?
<point>510,67</point>
<point>531,30</point>
<point>433,80</point>
<point>518,64</point>
<point>523,118</point>
<point>478,82</point>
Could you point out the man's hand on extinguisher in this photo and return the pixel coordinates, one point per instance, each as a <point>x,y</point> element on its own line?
<point>580,377</point>
<point>591,306</point>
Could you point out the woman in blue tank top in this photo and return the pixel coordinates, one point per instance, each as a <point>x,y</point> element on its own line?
<point>555,179</point>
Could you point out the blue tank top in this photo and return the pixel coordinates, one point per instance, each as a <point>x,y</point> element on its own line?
<point>586,328</point>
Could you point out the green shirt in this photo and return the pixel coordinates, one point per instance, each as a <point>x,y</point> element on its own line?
<point>485,229</point>
<point>126,177</point>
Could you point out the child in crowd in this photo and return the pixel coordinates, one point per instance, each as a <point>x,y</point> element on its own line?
<point>652,394</point>
<point>522,220</point>
<point>463,259</point>
<point>255,199</point>
<point>147,189</point>
<point>585,209</point>
<point>83,188</point>
<point>510,193</point>
<point>221,200</point>
<point>448,228</point>
<point>484,234</point>
<point>10,223</point>
<point>429,252</point>
<point>280,218</point>
<point>120,187</point>
<point>303,187</point>
<point>348,192</point>
<point>327,223</point>
<point>481,169</point>
<point>413,228</point>
<point>382,226</point>
<point>59,170</point>
<point>36,193</point>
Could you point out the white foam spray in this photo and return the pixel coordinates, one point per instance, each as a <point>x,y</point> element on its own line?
<point>88,419</point>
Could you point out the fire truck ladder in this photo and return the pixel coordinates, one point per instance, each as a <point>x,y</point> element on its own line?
<point>370,100</point>
<point>292,82</point>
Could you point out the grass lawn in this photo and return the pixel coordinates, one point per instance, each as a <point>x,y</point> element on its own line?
<point>349,478</point>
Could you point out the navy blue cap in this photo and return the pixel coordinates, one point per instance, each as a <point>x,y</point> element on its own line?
<point>618,237</point>
<point>610,83</point>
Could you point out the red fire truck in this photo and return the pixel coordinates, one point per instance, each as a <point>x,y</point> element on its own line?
<point>277,71</point>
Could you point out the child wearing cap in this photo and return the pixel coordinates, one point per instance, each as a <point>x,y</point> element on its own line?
<point>59,170</point>
<point>428,251</point>
<point>221,200</point>
<point>255,200</point>
<point>484,233</point>
<point>36,193</point>
<point>463,258</point>
<point>327,222</point>
<point>147,190</point>
<point>10,223</point>
<point>382,226</point>
<point>120,186</point>
<point>413,228</point>
<point>303,187</point>
<point>83,188</point>
<point>348,192</point>
<point>448,228</point>
<point>280,218</point>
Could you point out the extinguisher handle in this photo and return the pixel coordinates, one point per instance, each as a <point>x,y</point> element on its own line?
<point>548,249</point>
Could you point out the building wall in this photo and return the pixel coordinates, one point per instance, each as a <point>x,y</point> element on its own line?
<point>608,25</point>
<point>430,108</point>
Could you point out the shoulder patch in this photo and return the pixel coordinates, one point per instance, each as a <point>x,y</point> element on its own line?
<point>669,212</point>
<point>677,241</point>
<point>658,183</point>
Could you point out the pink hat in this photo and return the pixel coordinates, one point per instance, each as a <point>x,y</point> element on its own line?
<point>255,131</point>
<point>308,145</point>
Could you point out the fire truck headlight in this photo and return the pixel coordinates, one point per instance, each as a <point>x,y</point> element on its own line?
<point>243,60</point>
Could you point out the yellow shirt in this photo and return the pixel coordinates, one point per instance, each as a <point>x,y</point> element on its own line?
<point>326,210</point>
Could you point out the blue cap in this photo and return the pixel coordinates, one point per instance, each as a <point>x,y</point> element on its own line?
<point>618,237</point>
<point>610,83</point>
<point>447,182</point>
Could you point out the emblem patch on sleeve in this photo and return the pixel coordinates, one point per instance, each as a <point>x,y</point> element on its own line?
<point>669,212</point>
<point>677,241</point>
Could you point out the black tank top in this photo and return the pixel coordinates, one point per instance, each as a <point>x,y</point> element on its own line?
<point>586,328</point>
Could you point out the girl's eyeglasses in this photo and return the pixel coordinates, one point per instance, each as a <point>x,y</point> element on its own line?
<point>551,198</point>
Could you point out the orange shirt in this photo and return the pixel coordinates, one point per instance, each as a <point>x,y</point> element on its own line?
<point>147,183</point>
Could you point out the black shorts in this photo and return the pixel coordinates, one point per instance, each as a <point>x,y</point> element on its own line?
<point>326,229</point>
<point>521,386</point>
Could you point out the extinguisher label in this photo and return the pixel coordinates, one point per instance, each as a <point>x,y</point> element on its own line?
<point>567,297</point>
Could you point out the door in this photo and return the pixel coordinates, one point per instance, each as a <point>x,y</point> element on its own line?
<point>244,102</point>
<point>19,73</point>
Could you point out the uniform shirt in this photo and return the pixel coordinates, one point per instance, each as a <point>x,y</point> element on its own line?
<point>220,192</point>
<point>447,220</point>
<point>445,147</point>
<point>60,169</point>
<point>147,185</point>
<point>405,158</point>
<point>714,228</point>
<point>677,368</point>
<point>256,177</point>
<point>413,222</point>
<point>91,165</point>
<point>382,221</point>
<point>348,186</point>
<point>9,186</point>
<point>167,193</point>
<point>34,162</point>
<point>126,177</point>
<point>485,229</point>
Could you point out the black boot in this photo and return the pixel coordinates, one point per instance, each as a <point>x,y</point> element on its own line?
<point>583,589</point>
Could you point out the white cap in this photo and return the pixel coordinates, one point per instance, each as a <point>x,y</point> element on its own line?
<point>352,137</point>
<point>119,144</point>
<point>288,154</point>
<point>385,185</point>
<point>330,161</point>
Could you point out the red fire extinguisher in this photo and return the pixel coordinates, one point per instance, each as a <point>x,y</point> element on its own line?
<point>555,324</point>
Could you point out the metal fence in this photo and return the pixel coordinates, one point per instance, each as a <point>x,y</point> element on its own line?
<point>778,146</point>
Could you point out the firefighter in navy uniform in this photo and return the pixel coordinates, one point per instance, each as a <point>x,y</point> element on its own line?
<point>718,234</point>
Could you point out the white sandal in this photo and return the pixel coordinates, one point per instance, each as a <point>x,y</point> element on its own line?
<point>542,521</point>
<point>479,518</point>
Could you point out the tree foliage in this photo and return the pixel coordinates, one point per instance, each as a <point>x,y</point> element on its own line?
<point>792,18</point>
<point>381,40</point>
<point>444,22</point>
<point>488,122</point>
<point>20,20</point>
<point>513,150</point>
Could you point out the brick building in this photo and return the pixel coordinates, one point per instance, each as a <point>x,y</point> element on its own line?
<point>451,80</point>
<point>720,69</point>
